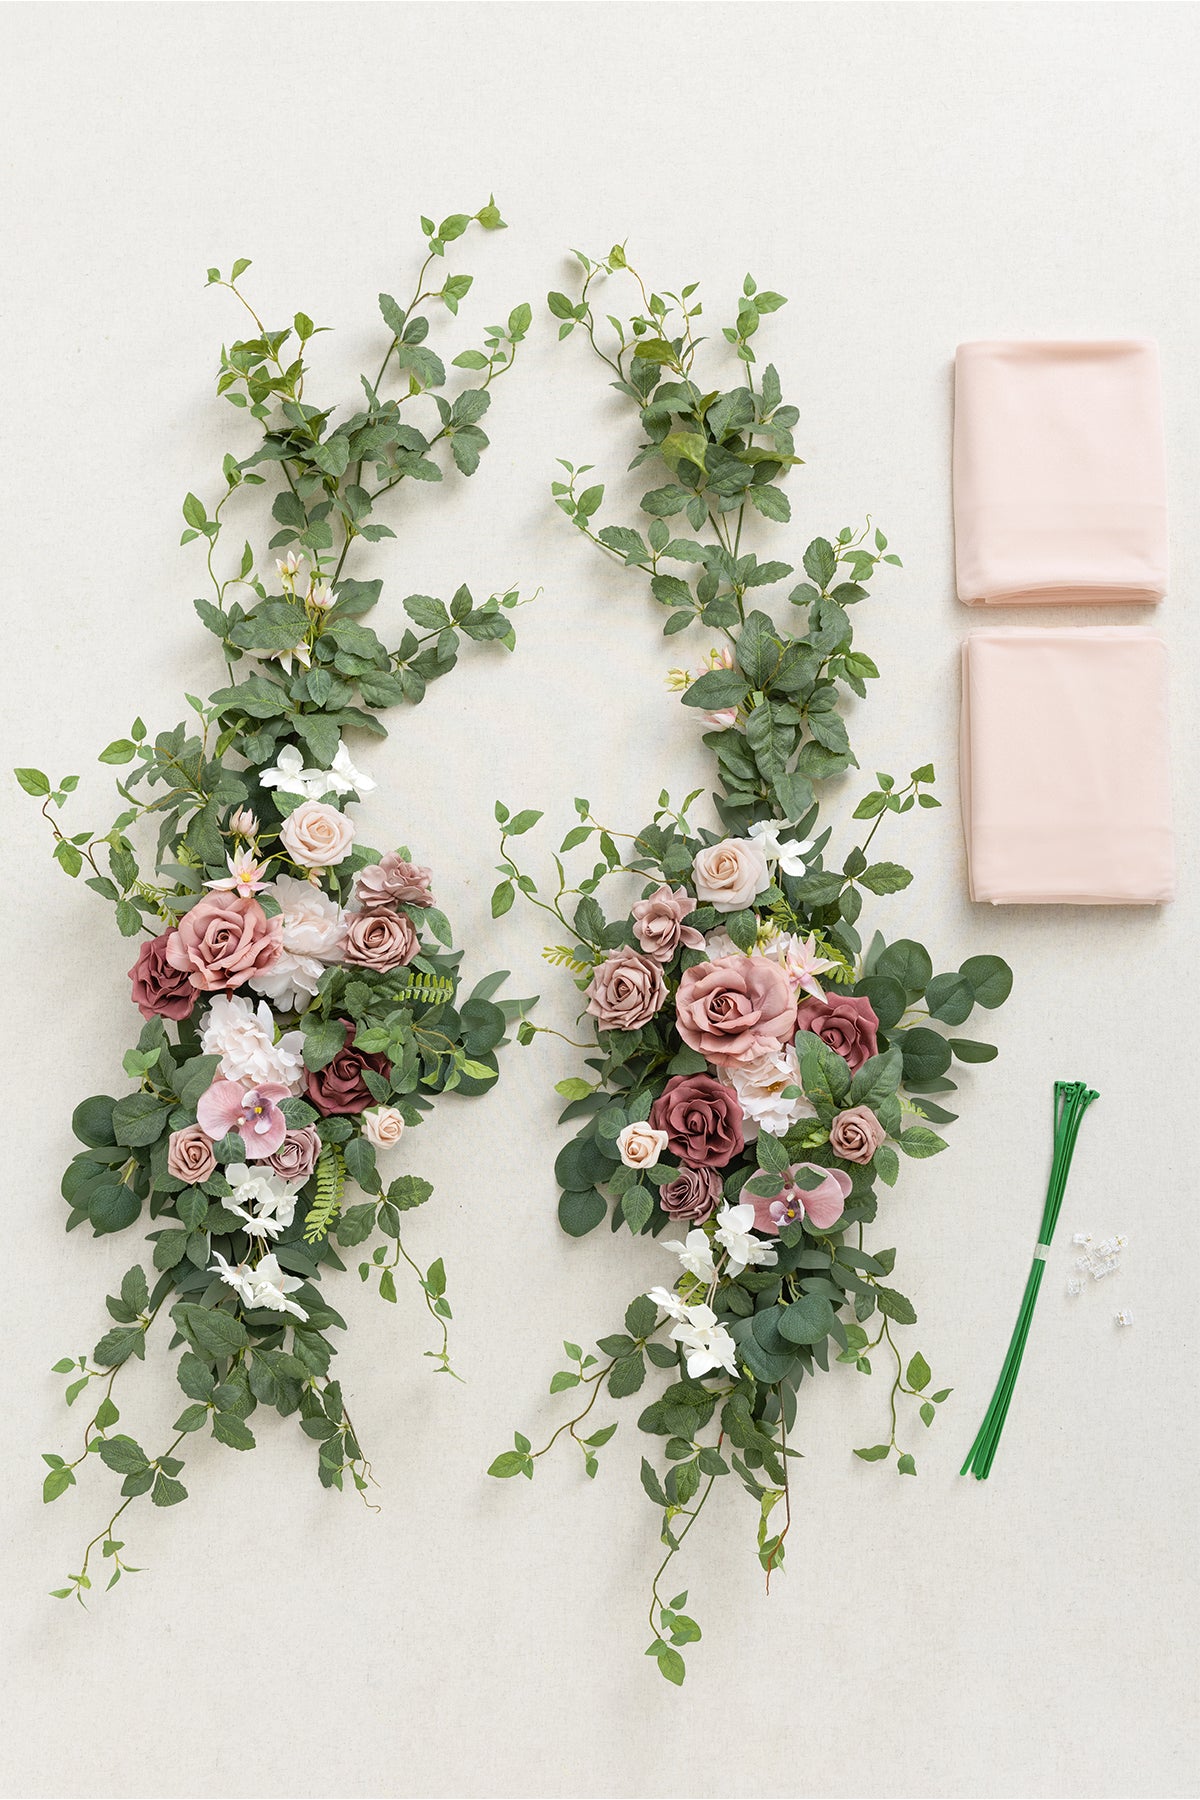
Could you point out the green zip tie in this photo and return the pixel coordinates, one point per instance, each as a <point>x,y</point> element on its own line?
<point>1071,1101</point>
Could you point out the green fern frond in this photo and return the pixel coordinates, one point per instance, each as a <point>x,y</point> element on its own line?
<point>430,990</point>
<point>327,1203</point>
<point>561,956</point>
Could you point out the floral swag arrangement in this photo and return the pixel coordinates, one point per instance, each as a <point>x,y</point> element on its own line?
<point>300,992</point>
<point>757,1074</point>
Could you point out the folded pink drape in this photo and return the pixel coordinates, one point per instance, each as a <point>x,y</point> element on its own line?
<point>1064,767</point>
<point>1059,473</point>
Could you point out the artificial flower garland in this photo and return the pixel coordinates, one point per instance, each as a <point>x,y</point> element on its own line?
<point>300,992</point>
<point>757,1071</point>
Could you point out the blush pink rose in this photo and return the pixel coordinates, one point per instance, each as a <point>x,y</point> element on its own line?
<point>658,923</point>
<point>223,941</point>
<point>735,1009</point>
<point>296,1157</point>
<point>822,1205</point>
<point>380,940</point>
<point>702,1120</point>
<point>392,882</point>
<point>190,1155</point>
<point>846,1022</point>
<point>158,987</point>
<point>692,1196</point>
<point>626,991</point>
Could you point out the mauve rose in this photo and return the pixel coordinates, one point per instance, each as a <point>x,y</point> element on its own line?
<point>379,940</point>
<point>658,923</point>
<point>158,987</point>
<point>339,1086</point>
<point>296,1157</point>
<point>223,941</point>
<point>190,1155</point>
<point>702,1120</point>
<point>626,991</point>
<point>728,875</point>
<point>846,1022</point>
<point>856,1134</point>
<point>735,1009</point>
<point>392,882</point>
<point>693,1195</point>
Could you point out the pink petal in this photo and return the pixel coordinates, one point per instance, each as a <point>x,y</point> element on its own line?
<point>824,1205</point>
<point>219,1108</point>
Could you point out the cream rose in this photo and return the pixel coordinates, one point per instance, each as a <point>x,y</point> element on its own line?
<point>316,835</point>
<point>383,1126</point>
<point>641,1145</point>
<point>728,875</point>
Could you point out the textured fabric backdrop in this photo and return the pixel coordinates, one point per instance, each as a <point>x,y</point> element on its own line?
<point>910,176</point>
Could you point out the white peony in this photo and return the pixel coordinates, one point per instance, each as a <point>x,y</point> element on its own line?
<point>243,1036</point>
<point>314,934</point>
<point>760,1086</point>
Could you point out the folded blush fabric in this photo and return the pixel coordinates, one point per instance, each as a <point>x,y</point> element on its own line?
<point>1064,767</point>
<point>1059,473</point>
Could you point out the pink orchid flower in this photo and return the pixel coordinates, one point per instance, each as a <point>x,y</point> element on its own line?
<point>245,875</point>
<point>253,1112</point>
<point>822,1205</point>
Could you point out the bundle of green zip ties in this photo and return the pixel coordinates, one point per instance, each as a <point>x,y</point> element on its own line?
<point>1071,1101</point>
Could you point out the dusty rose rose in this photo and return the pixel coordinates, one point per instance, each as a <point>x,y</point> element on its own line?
<point>693,1195</point>
<point>626,991</point>
<point>822,1204</point>
<point>735,1009</point>
<point>392,882</point>
<point>856,1134</point>
<point>702,1120</point>
<point>339,1086</point>
<point>190,1155</point>
<point>383,1126</point>
<point>846,1022</point>
<point>223,941</point>
<point>296,1157</point>
<point>159,987</point>
<point>641,1145</point>
<point>316,835</point>
<point>728,875</point>
<point>379,940</point>
<point>658,923</point>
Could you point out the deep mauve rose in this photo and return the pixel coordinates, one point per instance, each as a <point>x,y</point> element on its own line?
<point>223,941</point>
<point>190,1155</point>
<point>702,1120</point>
<point>658,923</point>
<point>693,1195</point>
<point>626,991</point>
<point>379,940</point>
<point>856,1135</point>
<point>736,1009</point>
<point>296,1157</point>
<point>846,1022</point>
<point>158,987</point>
<point>392,882</point>
<point>822,1204</point>
<point>339,1086</point>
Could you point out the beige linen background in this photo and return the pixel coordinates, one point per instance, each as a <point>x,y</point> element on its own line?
<point>910,176</point>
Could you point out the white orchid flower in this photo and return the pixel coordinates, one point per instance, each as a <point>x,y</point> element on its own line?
<point>695,1253</point>
<point>790,855</point>
<point>709,1345</point>
<point>735,1234</point>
